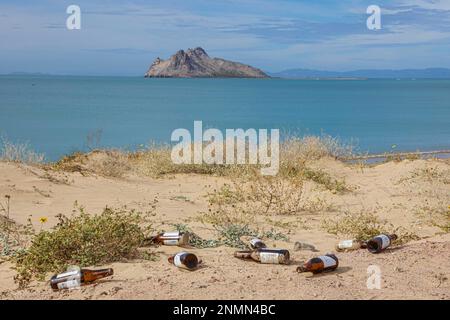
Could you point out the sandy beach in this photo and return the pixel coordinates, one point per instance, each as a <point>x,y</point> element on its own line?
<point>403,193</point>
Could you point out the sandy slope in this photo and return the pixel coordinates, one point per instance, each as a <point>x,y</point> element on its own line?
<point>418,270</point>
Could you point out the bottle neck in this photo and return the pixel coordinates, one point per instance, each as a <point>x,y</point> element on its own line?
<point>392,237</point>
<point>246,254</point>
<point>88,275</point>
<point>301,269</point>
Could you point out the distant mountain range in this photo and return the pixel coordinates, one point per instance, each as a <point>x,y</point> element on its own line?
<point>436,73</point>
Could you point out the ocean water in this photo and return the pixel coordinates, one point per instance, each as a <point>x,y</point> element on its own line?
<point>55,114</point>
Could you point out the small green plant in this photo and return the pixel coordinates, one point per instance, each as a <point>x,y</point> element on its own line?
<point>194,239</point>
<point>83,240</point>
<point>324,179</point>
<point>363,226</point>
<point>437,215</point>
<point>429,174</point>
<point>231,234</point>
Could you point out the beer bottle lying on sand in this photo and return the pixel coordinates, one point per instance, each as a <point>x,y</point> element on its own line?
<point>263,255</point>
<point>328,262</point>
<point>347,245</point>
<point>174,238</point>
<point>256,243</point>
<point>381,242</point>
<point>77,277</point>
<point>184,260</point>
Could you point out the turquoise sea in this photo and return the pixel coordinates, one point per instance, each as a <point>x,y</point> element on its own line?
<point>56,113</point>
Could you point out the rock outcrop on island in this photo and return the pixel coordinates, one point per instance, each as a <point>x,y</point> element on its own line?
<point>195,63</point>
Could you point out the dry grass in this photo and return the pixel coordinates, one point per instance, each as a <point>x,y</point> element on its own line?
<point>18,152</point>
<point>108,163</point>
<point>155,160</point>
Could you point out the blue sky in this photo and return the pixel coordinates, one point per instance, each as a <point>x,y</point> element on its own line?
<point>123,37</point>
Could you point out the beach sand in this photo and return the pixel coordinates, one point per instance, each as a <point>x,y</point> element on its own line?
<point>396,191</point>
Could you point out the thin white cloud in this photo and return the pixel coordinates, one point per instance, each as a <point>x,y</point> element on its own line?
<point>427,4</point>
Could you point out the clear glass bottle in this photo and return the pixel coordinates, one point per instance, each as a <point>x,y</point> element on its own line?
<point>175,238</point>
<point>267,256</point>
<point>348,245</point>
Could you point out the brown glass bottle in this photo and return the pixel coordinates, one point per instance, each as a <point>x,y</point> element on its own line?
<point>380,242</point>
<point>184,260</point>
<point>328,262</point>
<point>174,238</point>
<point>347,245</point>
<point>76,278</point>
<point>267,256</point>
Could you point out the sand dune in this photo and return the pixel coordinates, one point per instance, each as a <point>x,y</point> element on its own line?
<point>396,191</point>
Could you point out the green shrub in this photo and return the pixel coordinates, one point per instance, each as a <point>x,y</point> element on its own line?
<point>324,179</point>
<point>230,235</point>
<point>83,240</point>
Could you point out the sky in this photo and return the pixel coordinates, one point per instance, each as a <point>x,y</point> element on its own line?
<point>124,37</point>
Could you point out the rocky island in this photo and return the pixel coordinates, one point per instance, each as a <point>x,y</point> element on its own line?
<point>195,63</point>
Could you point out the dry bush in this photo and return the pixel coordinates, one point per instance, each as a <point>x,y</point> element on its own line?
<point>242,201</point>
<point>430,174</point>
<point>437,215</point>
<point>13,236</point>
<point>114,164</point>
<point>363,226</point>
<point>19,152</point>
<point>276,196</point>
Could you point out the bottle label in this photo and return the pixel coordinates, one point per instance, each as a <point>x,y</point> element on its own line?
<point>177,259</point>
<point>67,274</point>
<point>170,242</point>
<point>385,241</point>
<point>174,234</point>
<point>269,257</point>
<point>70,284</point>
<point>345,244</point>
<point>327,261</point>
